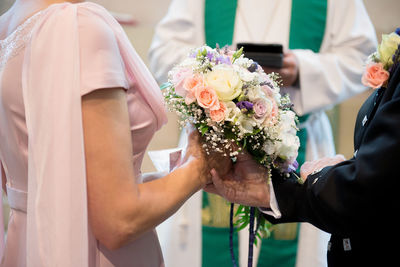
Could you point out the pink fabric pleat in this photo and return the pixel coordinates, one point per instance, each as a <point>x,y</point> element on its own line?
<point>57,220</point>
<point>58,232</point>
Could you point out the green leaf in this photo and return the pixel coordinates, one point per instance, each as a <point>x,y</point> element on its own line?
<point>203,129</point>
<point>239,210</point>
<point>237,54</point>
<point>242,226</point>
<point>242,97</point>
<point>256,131</point>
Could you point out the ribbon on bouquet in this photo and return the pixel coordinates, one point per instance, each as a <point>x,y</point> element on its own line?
<point>252,235</point>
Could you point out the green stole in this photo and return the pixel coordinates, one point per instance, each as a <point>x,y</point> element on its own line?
<point>307,27</point>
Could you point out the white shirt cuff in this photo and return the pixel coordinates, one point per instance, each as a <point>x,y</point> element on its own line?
<point>274,209</point>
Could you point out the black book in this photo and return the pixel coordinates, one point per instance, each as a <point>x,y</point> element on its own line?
<point>267,55</point>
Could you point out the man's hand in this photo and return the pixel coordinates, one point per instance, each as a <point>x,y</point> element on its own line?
<point>246,184</point>
<point>289,71</point>
<point>314,166</point>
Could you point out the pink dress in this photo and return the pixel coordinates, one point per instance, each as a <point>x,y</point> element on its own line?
<point>46,65</point>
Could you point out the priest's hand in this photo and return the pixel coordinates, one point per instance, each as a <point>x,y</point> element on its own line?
<point>289,71</point>
<point>246,183</point>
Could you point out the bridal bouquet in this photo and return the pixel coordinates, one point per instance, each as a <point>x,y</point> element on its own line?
<point>231,100</point>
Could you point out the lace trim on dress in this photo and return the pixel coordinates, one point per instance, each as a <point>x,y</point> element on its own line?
<point>13,44</point>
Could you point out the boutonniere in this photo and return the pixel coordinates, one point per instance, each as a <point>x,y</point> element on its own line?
<point>381,63</point>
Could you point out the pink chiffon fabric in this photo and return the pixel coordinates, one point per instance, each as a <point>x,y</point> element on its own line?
<point>67,51</point>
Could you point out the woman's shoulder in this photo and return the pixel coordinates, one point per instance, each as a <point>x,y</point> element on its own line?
<point>88,12</point>
<point>93,9</point>
<point>87,18</point>
<point>93,15</point>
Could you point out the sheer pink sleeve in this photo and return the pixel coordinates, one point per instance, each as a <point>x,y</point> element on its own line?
<point>58,232</point>
<point>101,63</point>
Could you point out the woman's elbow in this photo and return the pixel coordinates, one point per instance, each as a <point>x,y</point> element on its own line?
<point>114,235</point>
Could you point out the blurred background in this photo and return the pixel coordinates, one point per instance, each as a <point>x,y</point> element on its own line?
<point>384,14</point>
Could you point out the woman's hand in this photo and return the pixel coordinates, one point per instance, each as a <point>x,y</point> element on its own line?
<point>200,161</point>
<point>246,183</point>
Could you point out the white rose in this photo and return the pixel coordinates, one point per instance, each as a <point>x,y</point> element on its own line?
<point>254,93</point>
<point>232,111</point>
<point>225,81</point>
<point>243,62</point>
<point>287,122</point>
<point>288,146</point>
<point>246,75</point>
<point>245,124</point>
<point>269,147</point>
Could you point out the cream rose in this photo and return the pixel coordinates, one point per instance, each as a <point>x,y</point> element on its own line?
<point>388,47</point>
<point>226,83</point>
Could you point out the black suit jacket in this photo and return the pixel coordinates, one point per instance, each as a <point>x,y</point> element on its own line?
<point>357,201</point>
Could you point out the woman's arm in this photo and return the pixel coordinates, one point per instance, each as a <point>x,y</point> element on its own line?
<point>119,209</point>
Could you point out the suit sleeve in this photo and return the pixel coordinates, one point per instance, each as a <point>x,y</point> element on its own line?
<point>349,197</point>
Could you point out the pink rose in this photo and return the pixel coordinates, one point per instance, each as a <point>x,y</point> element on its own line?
<point>375,75</point>
<point>260,108</point>
<point>178,79</point>
<point>190,84</point>
<point>207,97</point>
<point>272,119</point>
<point>218,115</point>
<point>267,90</point>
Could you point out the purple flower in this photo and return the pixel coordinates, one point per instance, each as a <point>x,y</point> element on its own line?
<point>223,60</point>
<point>210,55</point>
<point>253,67</point>
<point>293,166</point>
<point>398,31</point>
<point>286,166</point>
<point>244,105</point>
